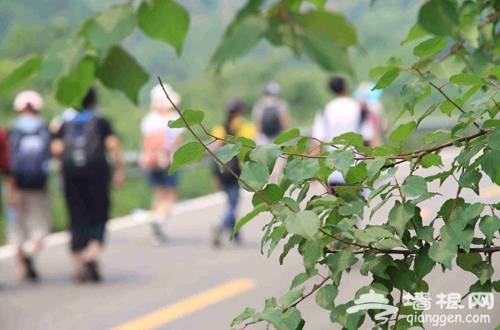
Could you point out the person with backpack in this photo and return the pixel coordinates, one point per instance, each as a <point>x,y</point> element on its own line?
<point>159,144</point>
<point>29,146</point>
<point>81,143</point>
<point>235,125</point>
<point>341,115</point>
<point>271,115</point>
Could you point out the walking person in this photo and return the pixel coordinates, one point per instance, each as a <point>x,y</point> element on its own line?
<point>29,140</point>
<point>235,125</point>
<point>372,119</point>
<point>272,117</point>
<point>82,143</point>
<point>158,146</point>
<point>341,115</point>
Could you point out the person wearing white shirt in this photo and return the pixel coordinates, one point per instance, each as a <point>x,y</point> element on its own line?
<point>341,115</point>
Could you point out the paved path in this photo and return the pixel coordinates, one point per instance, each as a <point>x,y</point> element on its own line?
<point>186,284</point>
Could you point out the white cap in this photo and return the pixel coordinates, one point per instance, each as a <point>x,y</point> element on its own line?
<point>29,99</point>
<point>159,100</point>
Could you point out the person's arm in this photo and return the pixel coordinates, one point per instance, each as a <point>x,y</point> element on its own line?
<point>114,147</point>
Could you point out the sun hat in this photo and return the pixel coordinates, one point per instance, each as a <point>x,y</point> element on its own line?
<point>159,100</point>
<point>272,89</point>
<point>28,99</point>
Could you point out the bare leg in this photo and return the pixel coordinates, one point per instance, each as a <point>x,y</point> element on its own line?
<point>93,250</point>
<point>78,264</point>
<point>21,260</point>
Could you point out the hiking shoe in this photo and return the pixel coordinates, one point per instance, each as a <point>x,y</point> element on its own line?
<point>159,233</point>
<point>31,274</point>
<point>92,271</point>
<point>217,233</point>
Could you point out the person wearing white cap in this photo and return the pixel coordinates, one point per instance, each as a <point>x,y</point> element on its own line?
<point>29,155</point>
<point>158,146</point>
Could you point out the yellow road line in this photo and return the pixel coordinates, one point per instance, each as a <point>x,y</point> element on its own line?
<point>189,305</point>
<point>490,191</point>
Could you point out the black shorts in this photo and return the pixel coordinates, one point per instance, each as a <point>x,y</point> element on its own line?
<point>88,205</point>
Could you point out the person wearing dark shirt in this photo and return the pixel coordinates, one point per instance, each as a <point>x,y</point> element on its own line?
<point>81,143</point>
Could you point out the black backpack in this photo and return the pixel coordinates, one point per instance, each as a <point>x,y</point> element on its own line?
<point>225,177</point>
<point>84,150</point>
<point>30,157</point>
<point>271,124</point>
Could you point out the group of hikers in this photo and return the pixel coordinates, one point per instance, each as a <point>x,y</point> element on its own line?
<point>84,143</point>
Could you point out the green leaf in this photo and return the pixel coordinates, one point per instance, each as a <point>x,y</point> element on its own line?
<point>243,221</point>
<point>304,223</point>
<point>325,296</point>
<point>72,88</point>
<point>450,66</point>
<point>489,164</point>
<point>299,170</point>
<point>494,139</point>
<point>423,264</point>
<point>111,26</point>
<point>489,226</point>
<point>193,117</point>
<point>443,252</point>
<point>483,271</point>
<point>240,41</point>
<point>388,78</point>
<point>291,320</point>
<point>399,216</point>
<point>466,261</point>
<point>164,20</point>
<point>255,175</point>
<point>247,313</point>
<point>414,88</point>
<point>272,316</point>
<point>340,159</point>
<point>302,277</point>
<point>455,234</point>
<point>470,180</point>
<point>416,32</point>
<point>341,261</point>
<point>62,57</point>
<point>356,174</point>
<point>374,166</point>
<point>21,75</point>
<point>120,71</point>
<point>430,160</point>
<point>439,17</point>
<point>313,250</point>
<point>190,153</point>
<point>287,136</point>
<point>331,24</point>
<point>267,155</point>
<point>430,47</point>
<point>402,132</point>
<point>290,297</point>
<point>426,233</point>
<point>414,186</point>
<point>377,265</point>
<point>327,53</point>
<point>226,153</point>
<point>319,3</point>
<point>468,79</point>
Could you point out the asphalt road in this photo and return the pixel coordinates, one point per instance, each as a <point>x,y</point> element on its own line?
<point>186,284</point>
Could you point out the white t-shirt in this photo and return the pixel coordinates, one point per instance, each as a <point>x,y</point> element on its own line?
<point>154,123</point>
<point>341,115</point>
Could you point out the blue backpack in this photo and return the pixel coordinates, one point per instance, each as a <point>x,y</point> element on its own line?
<point>30,156</point>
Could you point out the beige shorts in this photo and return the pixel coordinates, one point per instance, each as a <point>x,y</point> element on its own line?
<point>33,216</point>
